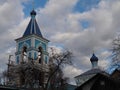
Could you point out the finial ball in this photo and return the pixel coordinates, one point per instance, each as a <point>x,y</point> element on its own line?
<point>33,13</point>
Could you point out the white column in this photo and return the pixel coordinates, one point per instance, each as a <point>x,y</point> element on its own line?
<point>33,42</point>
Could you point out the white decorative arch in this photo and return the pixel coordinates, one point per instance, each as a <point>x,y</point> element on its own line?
<point>39,45</point>
<point>24,45</point>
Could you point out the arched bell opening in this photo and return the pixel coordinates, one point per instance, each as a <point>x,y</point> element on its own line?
<point>25,49</point>
<point>40,52</point>
<point>24,53</point>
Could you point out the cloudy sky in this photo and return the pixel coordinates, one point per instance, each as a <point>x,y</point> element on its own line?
<point>80,26</point>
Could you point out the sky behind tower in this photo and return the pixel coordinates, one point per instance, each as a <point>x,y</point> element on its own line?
<point>80,26</point>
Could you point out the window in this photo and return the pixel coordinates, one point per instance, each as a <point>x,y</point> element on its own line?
<point>40,54</point>
<point>35,55</point>
<point>24,53</point>
<point>46,60</point>
<point>17,61</point>
<point>30,56</point>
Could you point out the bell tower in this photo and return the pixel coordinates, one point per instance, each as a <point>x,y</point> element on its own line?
<point>32,45</point>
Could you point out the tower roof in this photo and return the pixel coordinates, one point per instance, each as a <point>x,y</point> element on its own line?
<point>93,58</point>
<point>32,27</point>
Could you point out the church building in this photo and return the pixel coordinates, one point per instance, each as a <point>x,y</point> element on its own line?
<point>32,58</point>
<point>82,78</point>
<point>32,44</point>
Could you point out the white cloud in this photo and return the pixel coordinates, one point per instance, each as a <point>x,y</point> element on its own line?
<point>61,25</point>
<point>11,17</point>
<point>71,71</point>
<point>58,7</point>
<point>52,49</point>
<point>66,29</point>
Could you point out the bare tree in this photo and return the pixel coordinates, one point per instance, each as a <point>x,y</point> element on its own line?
<point>116,52</point>
<point>57,62</point>
<point>58,81</point>
<point>30,74</point>
<point>5,76</point>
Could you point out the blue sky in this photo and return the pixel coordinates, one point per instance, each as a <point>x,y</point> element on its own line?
<point>33,3</point>
<point>78,25</point>
<point>81,6</point>
<point>86,5</point>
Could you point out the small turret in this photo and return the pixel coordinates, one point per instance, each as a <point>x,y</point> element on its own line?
<point>94,61</point>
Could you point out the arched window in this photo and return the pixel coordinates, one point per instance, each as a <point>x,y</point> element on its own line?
<point>17,60</point>
<point>24,49</point>
<point>24,53</point>
<point>40,54</point>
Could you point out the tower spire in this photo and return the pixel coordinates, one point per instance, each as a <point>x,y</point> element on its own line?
<point>32,27</point>
<point>33,3</point>
<point>33,13</point>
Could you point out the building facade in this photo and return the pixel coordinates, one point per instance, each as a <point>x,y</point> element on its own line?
<point>100,82</point>
<point>32,58</point>
<point>82,78</point>
<point>32,44</point>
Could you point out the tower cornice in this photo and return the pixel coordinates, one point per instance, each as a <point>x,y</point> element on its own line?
<point>32,35</point>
